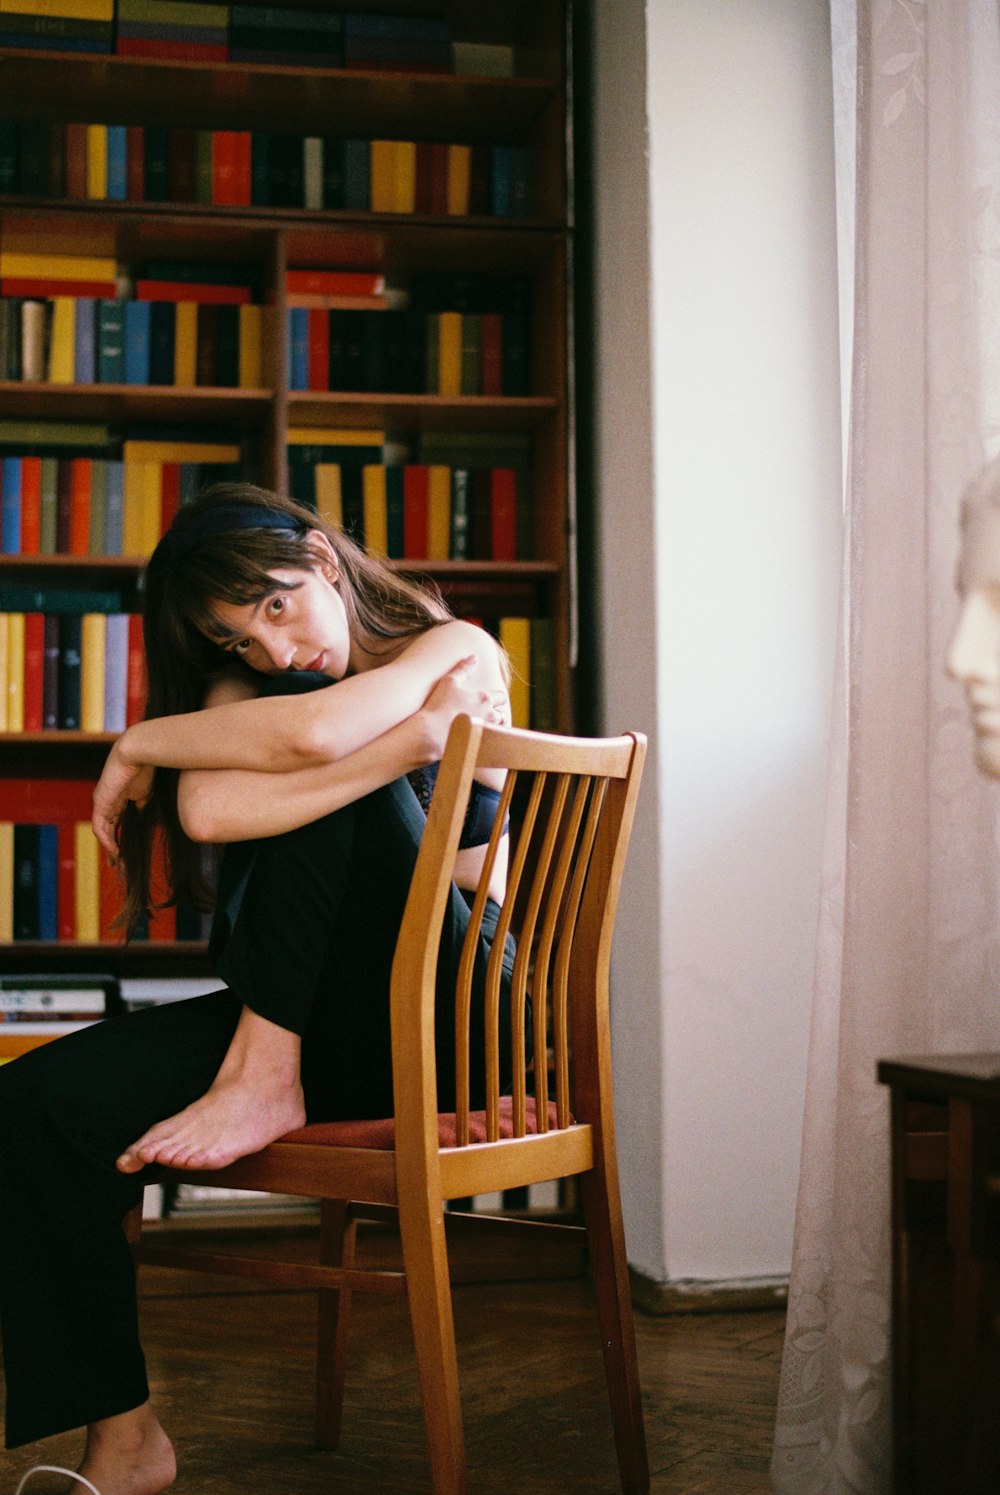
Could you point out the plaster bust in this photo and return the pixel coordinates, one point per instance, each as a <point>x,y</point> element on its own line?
<point>974,652</point>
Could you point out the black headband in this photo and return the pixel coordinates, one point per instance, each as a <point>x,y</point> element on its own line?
<point>217,519</point>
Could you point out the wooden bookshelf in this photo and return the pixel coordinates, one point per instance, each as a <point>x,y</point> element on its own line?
<point>526,110</point>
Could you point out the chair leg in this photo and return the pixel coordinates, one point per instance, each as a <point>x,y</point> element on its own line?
<point>338,1234</point>
<point>429,1292</point>
<point>606,1239</point>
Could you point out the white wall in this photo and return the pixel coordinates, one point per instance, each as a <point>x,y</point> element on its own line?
<point>717,428</point>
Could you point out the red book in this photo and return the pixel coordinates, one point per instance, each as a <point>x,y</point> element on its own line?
<point>182,165</point>
<point>162,921</point>
<point>135,701</point>
<point>439,180</point>
<point>31,505</point>
<point>225,191</point>
<point>135,163</point>
<point>34,670</point>
<point>46,801</point>
<point>19,285</point>
<point>170,494</point>
<point>111,896</point>
<point>319,348</point>
<point>63,490</point>
<point>335,282</point>
<point>244,156</point>
<point>133,46</point>
<point>81,475</point>
<point>503,513</point>
<point>415,512</point>
<point>76,161</point>
<point>491,353</point>
<point>192,290</point>
<point>66,882</point>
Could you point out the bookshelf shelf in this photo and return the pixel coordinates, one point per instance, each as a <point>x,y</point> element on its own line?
<point>127,403</point>
<point>527,434</point>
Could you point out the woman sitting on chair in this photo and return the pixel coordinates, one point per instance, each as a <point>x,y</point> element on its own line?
<point>252,606</point>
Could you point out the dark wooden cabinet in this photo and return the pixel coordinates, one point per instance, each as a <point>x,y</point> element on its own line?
<point>946,1273</point>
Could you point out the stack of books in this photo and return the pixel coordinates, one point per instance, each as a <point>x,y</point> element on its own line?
<point>58,25</point>
<point>36,1009</point>
<point>55,881</point>
<point>386,43</point>
<point>288,38</point>
<point>105,500</point>
<point>66,670</point>
<point>260,168</point>
<point>191,32</point>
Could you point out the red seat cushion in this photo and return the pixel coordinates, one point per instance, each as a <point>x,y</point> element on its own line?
<point>381,1135</point>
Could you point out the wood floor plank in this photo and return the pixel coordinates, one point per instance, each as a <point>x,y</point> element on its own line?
<point>231,1372</point>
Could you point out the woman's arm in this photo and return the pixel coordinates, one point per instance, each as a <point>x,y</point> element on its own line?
<point>283,733</point>
<point>237,805</point>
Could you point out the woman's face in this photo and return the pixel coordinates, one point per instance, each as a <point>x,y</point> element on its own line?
<point>302,625</point>
<point>974,660</point>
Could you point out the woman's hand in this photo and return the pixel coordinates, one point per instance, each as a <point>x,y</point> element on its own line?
<point>456,694</point>
<point>119,783</point>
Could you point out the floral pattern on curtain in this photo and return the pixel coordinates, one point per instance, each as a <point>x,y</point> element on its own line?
<point>908,955</point>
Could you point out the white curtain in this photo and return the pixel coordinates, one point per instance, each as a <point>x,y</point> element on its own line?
<point>909,942</point>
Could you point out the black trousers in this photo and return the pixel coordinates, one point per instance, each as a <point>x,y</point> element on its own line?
<point>304,935</point>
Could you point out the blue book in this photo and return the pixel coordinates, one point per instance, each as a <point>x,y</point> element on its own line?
<point>357,175</point>
<point>298,347</point>
<point>502,181</point>
<point>115,671</point>
<point>85,341</point>
<point>394,512</point>
<point>10,506</point>
<point>27,922</point>
<point>48,878</point>
<point>397,28</point>
<point>137,344</point>
<point>114,507</point>
<point>117,164</point>
<point>111,342</point>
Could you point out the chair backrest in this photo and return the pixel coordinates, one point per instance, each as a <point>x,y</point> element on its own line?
<point>571,803</point>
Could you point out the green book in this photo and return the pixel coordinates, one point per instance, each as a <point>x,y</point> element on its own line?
<point>49,505</point>
<point>24,433</point>
<point>173,12</point>
<point>16,597</point>
<point>98,505</point>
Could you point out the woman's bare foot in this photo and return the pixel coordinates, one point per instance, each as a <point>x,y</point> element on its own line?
<point>255,1098</point>
<point>128,1455</point>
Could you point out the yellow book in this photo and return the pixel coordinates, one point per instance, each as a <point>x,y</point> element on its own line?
<point>515,636</point>
<point>382,189</point>
<point>93,644</point>
<point>179,451</point>
<point>6,882</point>
<point>77,10</point>
<point>333,436</point>
<point>329,504</point>
<point>56,266</point>
<point>438,512</point>
<point>15,672</point>
<point>186,344</point>
<point>97,161</point>
<point>151,507</point>
<point>4,668</point>
<point>375,511</point>
<point>251,347</point>
<point>143,506</point>
<point>459,174</point>
<point>405,176</point>
<point>62,341</point>
<point>450,353</point>
<point>87,882</point>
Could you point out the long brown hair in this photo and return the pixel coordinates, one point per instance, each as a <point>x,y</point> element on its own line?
<point>224,547</point>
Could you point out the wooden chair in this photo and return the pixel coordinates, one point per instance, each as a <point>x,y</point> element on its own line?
<point>574,801</point>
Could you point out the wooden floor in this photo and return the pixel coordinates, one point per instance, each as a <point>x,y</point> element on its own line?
<point>231,1372</point>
